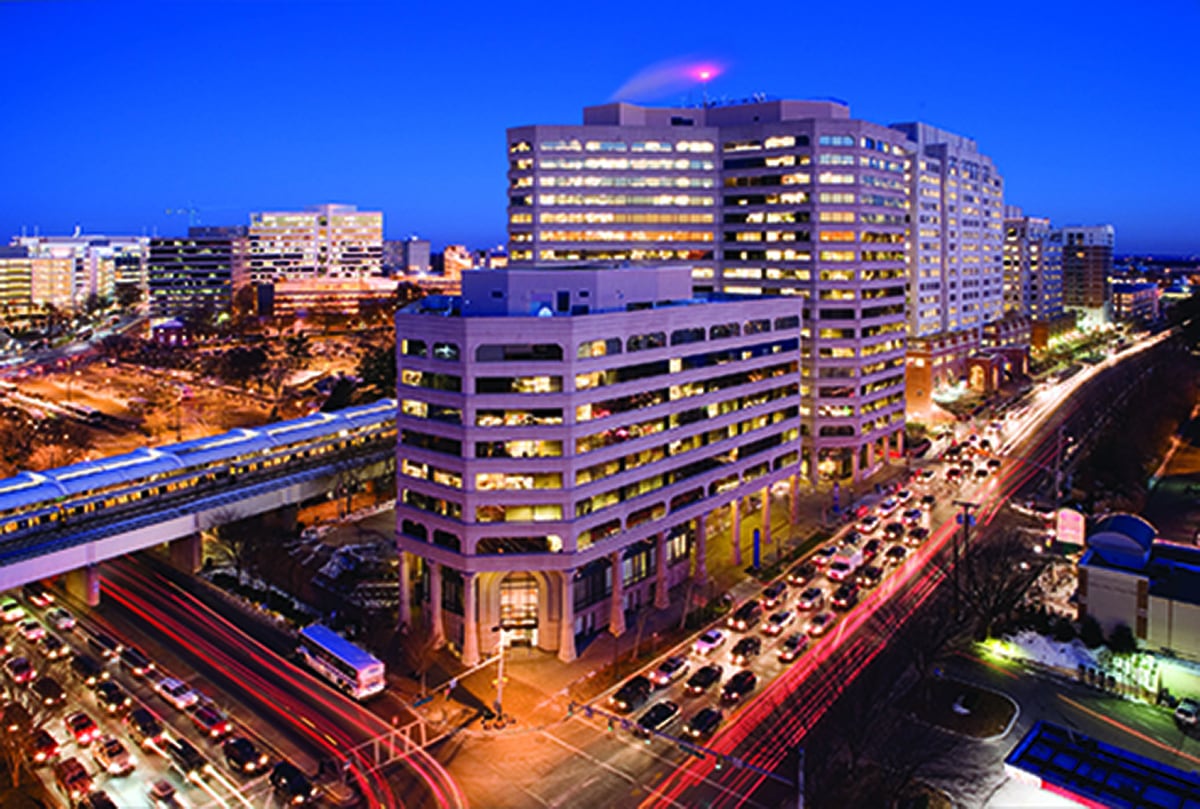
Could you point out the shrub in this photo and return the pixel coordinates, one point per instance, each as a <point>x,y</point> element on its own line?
<point>1090,632</point>
<point>1122,641</point>
<point>1064,631</point>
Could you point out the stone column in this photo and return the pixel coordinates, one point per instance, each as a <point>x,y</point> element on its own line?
<point>661,600</point>
<point>700,573</point>
<point>404,616</point>
<point>566,627</point>
<point>854,468</point>
<point>187,553</point>
<point>436,628</point>
<point>735,530</point>
<point>766,515</point>
<point>470,647</point>
<point>795,504</point>
<point>616,618</point>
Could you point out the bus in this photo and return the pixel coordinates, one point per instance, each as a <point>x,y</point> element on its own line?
<point>349,668</point>
<point>83,412</point>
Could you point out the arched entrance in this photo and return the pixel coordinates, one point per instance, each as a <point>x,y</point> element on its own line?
<point>519,608</point>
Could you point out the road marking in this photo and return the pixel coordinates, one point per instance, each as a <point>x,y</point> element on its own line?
<point>1131,731</point>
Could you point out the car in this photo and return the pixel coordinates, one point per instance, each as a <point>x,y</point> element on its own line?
<point>953,473</point>
<point>186,758</point>
<point>143,727</point>
<point>42,747</point>
<point>852,538</point>
<point>14,716</point>
<point>985,444</point>
<point>928,501</point>
<point>868,576</point>
<point>792,647</point>
<point>5,646</point>
<point>801,573</point>
<point>632,694</point>
<point>982,472</point>
<point>903,496</point>
<point>710,641</point>
<point>739,685</point>
<point>824,555</point>
<point>113,698</point>
<point>211,722</point>
<point>36,594</point>
<point>31,630</point>
<point>53,647</point>
<point>839,571</point>
<point>48,692</point>
<point>811,599</point>
<point>670,670</point>
<point>703,679</point>
<point>845,596</point>
<point>98,800</point>
<point>104,645</point>
<point>773,594</point>
<point>291,784</point>
<point>20,670</point>
<point>916,535</point>
<point>745,649</point>
<point>820,623</point>
<point>1187,712</point>
<point>912,516</point>
<point>894,530</point>
<point>60,619</point>
<point>895,555</point>
<point>82,728</point>
<point>162,792</point>
<point>872,549</point>
<point>869,524</point>
<point>72,779</point>
<point>11,611</point>
<point>702,725</point>
<point>134,662</point>
<point>887,506</point>
<point>88,671</point>
<point>926,475</point>
<point>176,692</point>
<point>746,616</point>
<point>657,717</point>
<point>777,621</point>
<point>242,756</point>
<point>112,757</point>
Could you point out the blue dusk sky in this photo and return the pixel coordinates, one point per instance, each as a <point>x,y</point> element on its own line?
<point>116,111</point>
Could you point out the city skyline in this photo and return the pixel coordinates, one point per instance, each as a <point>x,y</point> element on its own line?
<point>407,114</point>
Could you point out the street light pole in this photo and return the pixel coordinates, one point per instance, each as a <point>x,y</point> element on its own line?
<point>499,706</point>
<point>965,518</point>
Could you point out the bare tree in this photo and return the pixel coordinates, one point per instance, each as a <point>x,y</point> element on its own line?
<point>243,538</point>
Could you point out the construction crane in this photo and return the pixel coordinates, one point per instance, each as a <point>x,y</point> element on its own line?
<point>191,212</point>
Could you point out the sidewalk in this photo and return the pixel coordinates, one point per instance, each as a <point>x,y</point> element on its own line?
<point>538,686</point>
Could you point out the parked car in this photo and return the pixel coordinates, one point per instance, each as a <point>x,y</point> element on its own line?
<point>869,524</point>
<point>669,671</point>
<point>632,694</point>
<point>657,717</point>
<point>739,685</point>
<point>912,516</point>
<point>710,641</point>
<point>792,647</point>
<point>872,549</point>
<point>104,645</point>
<point>703,679</point>
<point>824,555</point>
<point>98,800</point>
<point>162,793</point>
<point>746,649</point>
<point>928,501</point>
<point>291,784</point>
<point>887,506</point>
<point>903,496</point>
<point>702,725</point>
<point>1187,712</point>
<point>893,531</point>
<point>242,756</point>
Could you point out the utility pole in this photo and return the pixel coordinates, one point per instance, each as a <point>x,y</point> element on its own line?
<point>966,520</point>
<point>1058,459</point>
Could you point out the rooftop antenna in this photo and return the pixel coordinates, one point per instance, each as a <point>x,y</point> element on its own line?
<point>705,76</point>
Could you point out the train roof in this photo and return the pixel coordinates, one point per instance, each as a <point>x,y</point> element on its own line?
<point>27,488</point>
<point>113,470</point>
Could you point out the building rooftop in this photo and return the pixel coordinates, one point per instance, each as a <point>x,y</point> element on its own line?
<point>1079,766</point>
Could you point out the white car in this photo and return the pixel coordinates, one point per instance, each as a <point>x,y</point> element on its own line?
<point>1188,713</point>
<point>11,611</point>
<point>869,524</point>
<point>889,505</point>
<point>112,756</point>
<point>839,571</point>
<point>60,619</point>
<point>708,642</point>
<point>177,692</point>
<point>670,670</point>
<point>31,630</point>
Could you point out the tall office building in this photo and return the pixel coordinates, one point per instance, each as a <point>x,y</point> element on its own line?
<point>98,265</point>
<point>1087,263</point>
<point>323,241</point>
<point>16,281</point>
<point>409,256</point>
<point>767,197</point>
<point>197,273</point>
<point>563,435</point>
<point>1032,267</point>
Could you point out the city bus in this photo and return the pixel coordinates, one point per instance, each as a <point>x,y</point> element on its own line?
<point>351,669</point>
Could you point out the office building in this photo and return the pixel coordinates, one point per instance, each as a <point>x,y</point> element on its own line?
<point>557,425</point>
<point>1135,300</point>
<point>98,265</point>
<point>196,274</point>
<point>774,198</point>
<point>1087,263</point>
<point>323,241</point>
<point>1032,267</point>
<point>409,256</point>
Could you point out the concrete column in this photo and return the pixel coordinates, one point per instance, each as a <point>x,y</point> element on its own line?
<point>437,628</point>
<point>404,617</point>
<point>870,454</point>
<point>766,515</point>
<point>470,647</point>
<point>661,600</point>
<point>795,504</point>
<point>854,470</point>
<point>900,446</point>
<point>566,627</point>
<point>700,571</point>
<point>187,553</point>
<point>84,584</point>
<point>735,530</point>
<point>616,618</point>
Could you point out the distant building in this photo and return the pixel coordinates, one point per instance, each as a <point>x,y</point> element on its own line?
<point>99,264</point>
<point>197,273</point>
<point>1135,300</point>
<point>1127,576</point>
<point>564,432</point>
<point>1087,263</point>
<point>456,259</point>
<point>323,241</point>
<point>409,256</point>
<point>1032,267</point>
<point>16,281</point>
<point>304,297</point>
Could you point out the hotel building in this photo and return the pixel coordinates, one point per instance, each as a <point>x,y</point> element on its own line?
<point>564,433</point>
<point>769,198</point>
<point>323,241</point>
